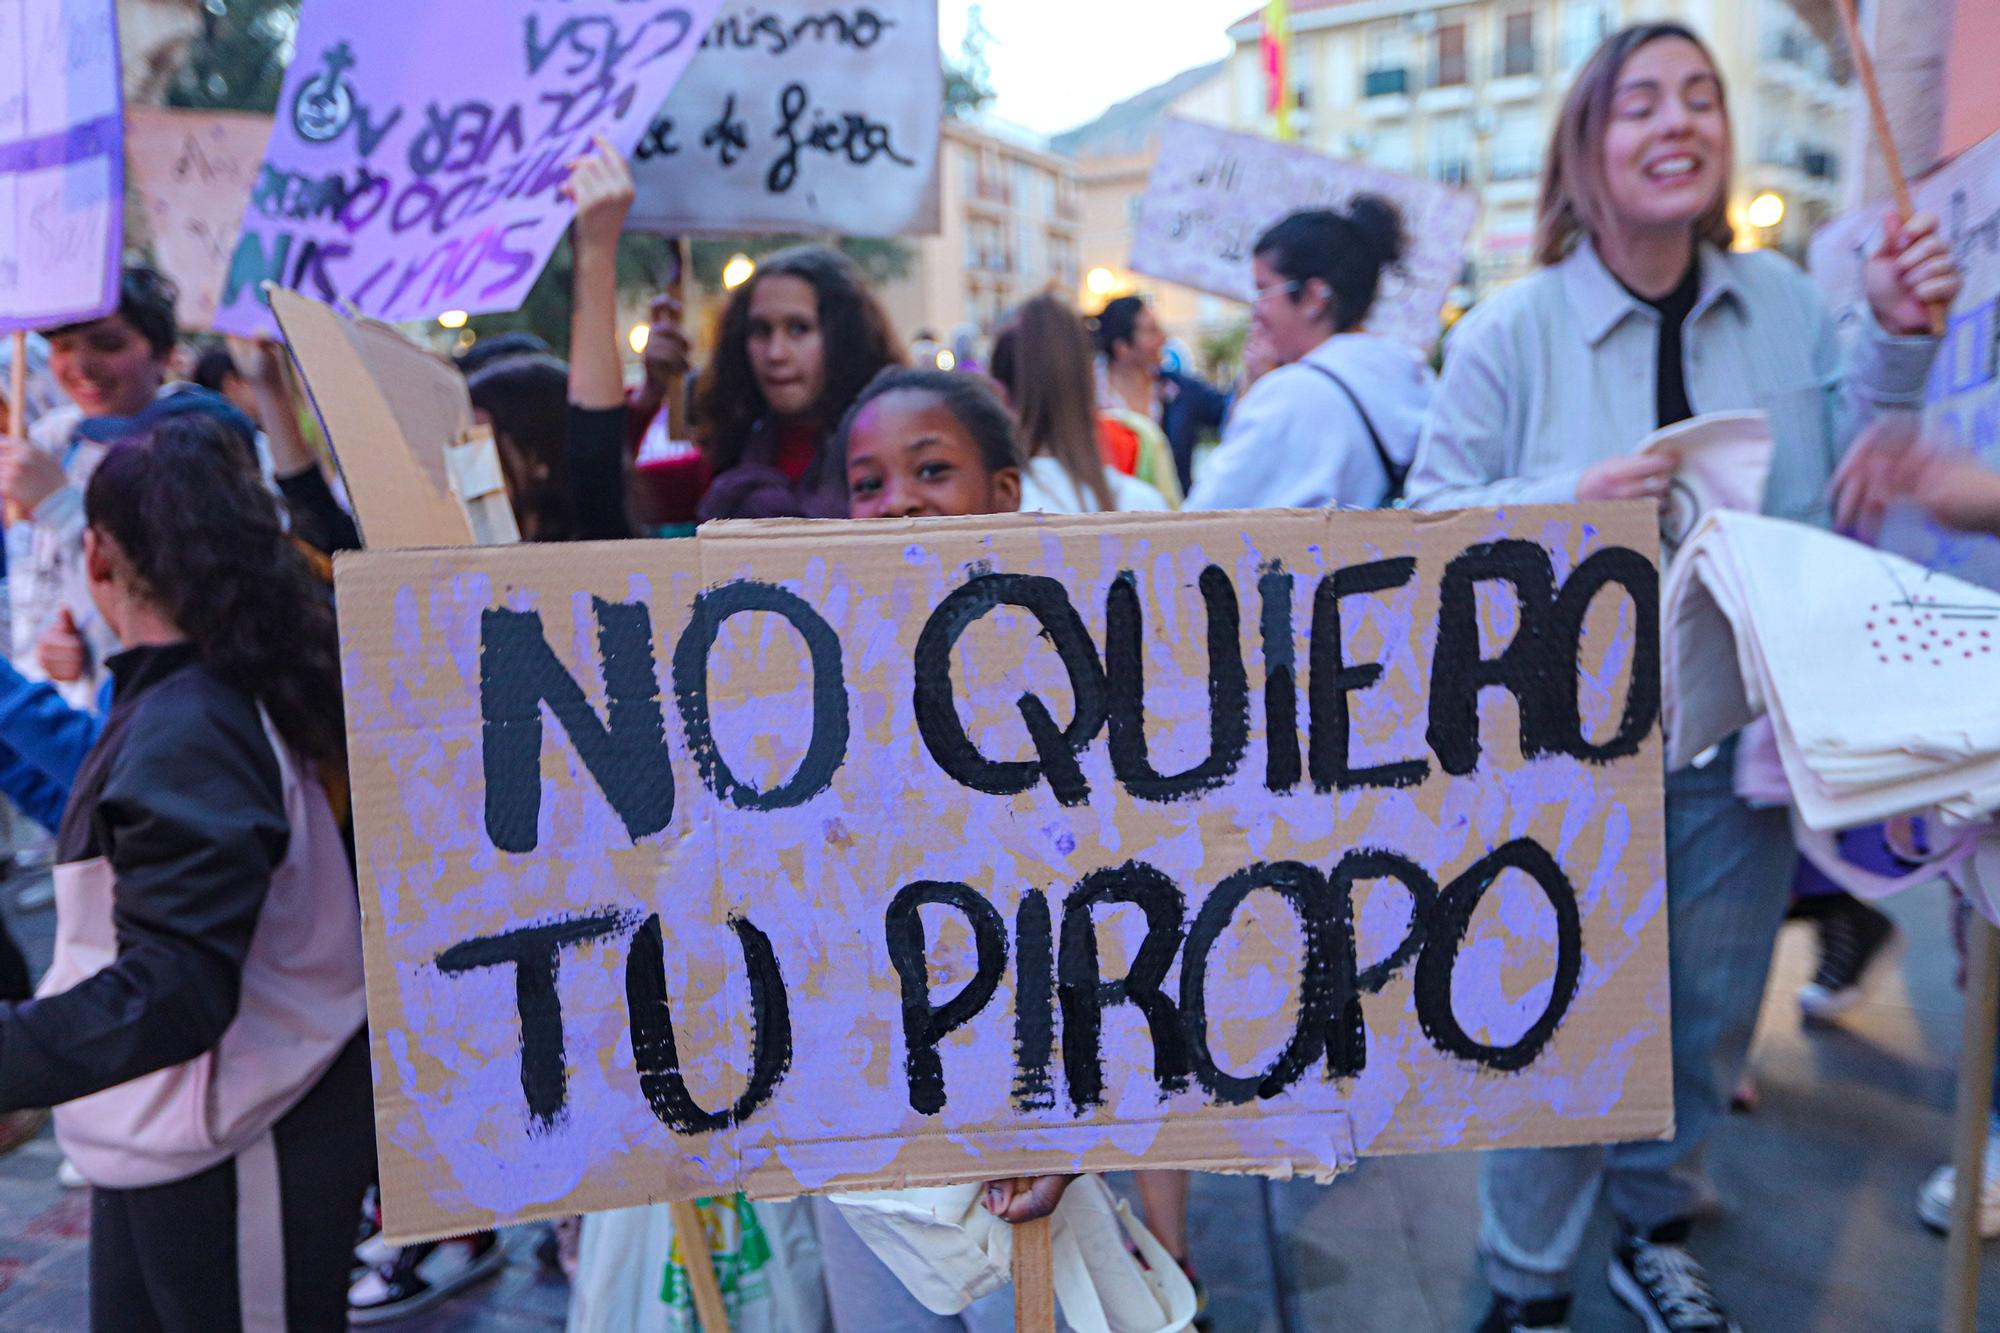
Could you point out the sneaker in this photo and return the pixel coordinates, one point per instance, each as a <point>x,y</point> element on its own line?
<point>418,1277</point>
<point>69,1177</point>
<point>20,1127</point>
<point>1544,1316</point>
<point>1660,1282</point>
<point>1852,937</point>
<point>1935,1198</point>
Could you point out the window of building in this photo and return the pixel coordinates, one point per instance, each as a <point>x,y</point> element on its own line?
<point>1518,143</point>
<point>1388,70</point>
<point>1585,24</point>
<point>1448,55</point>
<point>1391,150</point>
<point>1517,44</point>
<point>1448,150</point>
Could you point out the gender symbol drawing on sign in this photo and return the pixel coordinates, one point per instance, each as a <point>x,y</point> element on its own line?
<point>800,116</point>
<point>62,162</point>
<point>403,185</point>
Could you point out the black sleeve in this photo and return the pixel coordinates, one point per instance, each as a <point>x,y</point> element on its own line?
<point>597,472</point>
<point>316,515</point>
<point>192,821</point>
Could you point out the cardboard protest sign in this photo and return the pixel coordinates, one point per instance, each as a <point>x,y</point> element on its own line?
<point>192,172</point>
<point>419,151</point>
<point>62,167</point>
<point>1214,191</point>
<point>798,117</point>
<point>801,855</point>
<point>391,410</point>
<point>1963,397</point>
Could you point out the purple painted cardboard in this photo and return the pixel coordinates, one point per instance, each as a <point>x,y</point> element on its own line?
<point>62,163</point>
<point>459,1147</point>
<point>419,150</point>
<point>1214,191</point>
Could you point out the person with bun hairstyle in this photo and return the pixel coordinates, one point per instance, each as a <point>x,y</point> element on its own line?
<point>200,1032</point>
<point>797,344</point>
<point>1337,422</point>
<point>1640,316</point>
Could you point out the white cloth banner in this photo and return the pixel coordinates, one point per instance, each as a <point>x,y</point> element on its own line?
<point>62,162</point>
<point>1881,678</point>
<point>1214,191</point>
<point>798,117</point>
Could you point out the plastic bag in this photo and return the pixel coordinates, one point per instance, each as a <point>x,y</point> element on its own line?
<point>631,1277</point>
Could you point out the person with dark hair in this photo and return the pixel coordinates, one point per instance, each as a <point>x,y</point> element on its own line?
<point>1041,359</point>
<point>1134,378</point>
<point>201,1031</point>
<point>499,347</point>
<point>1337,422</point>
<point>796,344</point>
<point>1640,316</point>
<point>922,443</point>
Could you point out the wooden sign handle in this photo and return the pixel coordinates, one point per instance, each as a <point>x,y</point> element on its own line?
<point>17,405</point>
<point>1034,1277</point>
<point>1878,115</point>
<point>699,1261</point>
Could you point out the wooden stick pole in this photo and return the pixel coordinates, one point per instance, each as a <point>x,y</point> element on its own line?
<point>700,1263</point>
<point>1034,1277</point>
<point>1864,70</point>
<point>1975,1102</point>
<point>17,405</point>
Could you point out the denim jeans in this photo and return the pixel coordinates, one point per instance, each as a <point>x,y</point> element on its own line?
<point>1729,875</point>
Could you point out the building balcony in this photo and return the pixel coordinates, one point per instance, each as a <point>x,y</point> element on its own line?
<point>1452,97</point>
<point>1515,88</point>
<point>1515,167</point>
<point>994,193</point>
<point>1455,171</point>
<point>1385,83</point>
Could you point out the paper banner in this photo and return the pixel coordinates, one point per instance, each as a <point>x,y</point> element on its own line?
<point>1213,192</point>
<point>419,150</point>
<point>800,118</point>
<point>191,172</point>
<point>62,163</point>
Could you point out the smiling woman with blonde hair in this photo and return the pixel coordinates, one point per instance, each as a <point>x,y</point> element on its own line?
<point>1641,316</point>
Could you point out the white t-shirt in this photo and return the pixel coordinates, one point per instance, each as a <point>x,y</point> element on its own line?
<point>1048,488</point>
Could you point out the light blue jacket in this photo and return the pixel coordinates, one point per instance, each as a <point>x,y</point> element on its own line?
<point>1557,372</point>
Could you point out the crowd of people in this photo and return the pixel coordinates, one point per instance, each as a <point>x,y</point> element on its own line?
<point>170,707</point>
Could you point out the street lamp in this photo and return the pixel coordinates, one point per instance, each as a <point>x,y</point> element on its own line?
<point>1766,211</point>
<point>1101,281</point>
<point>452,319</point>
<point>737,271</point>
<point>638,337</point>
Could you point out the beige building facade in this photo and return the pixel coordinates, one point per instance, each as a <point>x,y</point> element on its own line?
<point>1010,220</point>
<point>1466,93</point>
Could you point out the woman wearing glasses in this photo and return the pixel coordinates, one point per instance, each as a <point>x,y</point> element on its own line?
<point>1337,422</point>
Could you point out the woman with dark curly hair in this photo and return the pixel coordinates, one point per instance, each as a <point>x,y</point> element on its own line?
<point>200,1030</point>
<point>797,344</point>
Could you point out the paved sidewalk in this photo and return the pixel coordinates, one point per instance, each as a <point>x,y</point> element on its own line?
<point>1819,1232</point>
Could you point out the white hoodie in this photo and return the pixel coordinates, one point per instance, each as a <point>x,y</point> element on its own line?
<point>1295,441</point>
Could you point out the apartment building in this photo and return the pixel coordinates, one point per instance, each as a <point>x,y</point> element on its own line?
<point>1010,220</point>
<point>1466,93</point>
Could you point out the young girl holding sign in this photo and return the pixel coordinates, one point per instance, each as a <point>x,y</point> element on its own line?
<point>926,444</point>
<point>1640,317</point>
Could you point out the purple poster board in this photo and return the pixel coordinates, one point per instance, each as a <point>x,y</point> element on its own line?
<point>419,150</point>
<point>62,162</point>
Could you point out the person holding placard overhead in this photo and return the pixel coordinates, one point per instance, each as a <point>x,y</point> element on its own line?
<point>1337,422</point>
<point>1641,316</point>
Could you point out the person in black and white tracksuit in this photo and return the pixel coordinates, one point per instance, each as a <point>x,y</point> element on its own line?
<point>200,1033</point>
<point>1337,422</point>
